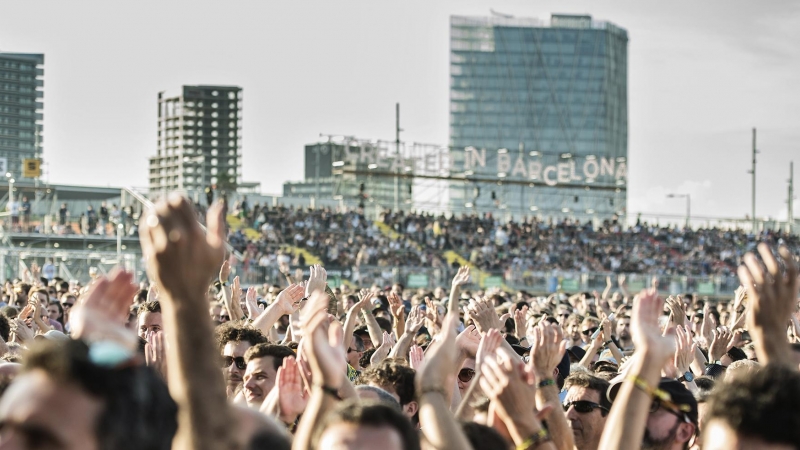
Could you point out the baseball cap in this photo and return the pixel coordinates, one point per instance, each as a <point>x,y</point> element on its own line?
<point>677,394</point>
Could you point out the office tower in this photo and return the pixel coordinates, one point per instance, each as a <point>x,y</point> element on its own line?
<point>199,141</point>
<point>21,109</point>
<point>538,116</point>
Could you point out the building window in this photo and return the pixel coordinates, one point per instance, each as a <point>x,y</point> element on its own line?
<point>231,95</point>
<point>215,93</point>
<point>214,124</point>
<point>214,105</point>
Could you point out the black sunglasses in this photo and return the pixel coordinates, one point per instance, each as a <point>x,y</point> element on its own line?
<point>583,406</point>
<point>466,375</point>
<point>67,305</point>
<point>228,360</point>
<point>350,350</point>
<point>589,331</point>
<point>224,317</point>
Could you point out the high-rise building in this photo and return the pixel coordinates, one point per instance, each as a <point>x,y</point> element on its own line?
<point>199,140</point>
<point>21,109</point>
<point>538,116</point>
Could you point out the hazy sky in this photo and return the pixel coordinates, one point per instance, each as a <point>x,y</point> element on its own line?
<point>701,75</point>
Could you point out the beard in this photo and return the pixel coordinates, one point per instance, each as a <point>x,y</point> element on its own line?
<point>651,443</point>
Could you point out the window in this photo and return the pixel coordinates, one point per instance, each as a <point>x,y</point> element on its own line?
<point>232,115</point>
<point>215,93</point>
<point>213,161</point>
<point>214,143</point>
<point>213,171</point>
<point>231,124</point>
<point>214,114</point>
<point>231,95</point>
<point>214,105</point>
<point>214,124</point>
<point>231,143</point>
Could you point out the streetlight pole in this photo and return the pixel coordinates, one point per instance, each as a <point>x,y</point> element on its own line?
<point>688,198</point>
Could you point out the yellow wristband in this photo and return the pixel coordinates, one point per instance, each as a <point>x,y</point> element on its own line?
<point>540,437</point>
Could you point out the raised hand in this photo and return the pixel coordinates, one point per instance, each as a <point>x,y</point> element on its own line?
<point>103,311</point>
<point>292,395</point>
<point>484,316</point>
<point>383,350</point>
<point>414,321</point>
<point>317,280</point>
<point>462,277</point>
<point>676,307</point>
<point>645,331</point>
<point>252,303</point>
<point>290,299</point>
<point>25,312</point>
<point>438,373</point>
<point>152,293</point>
<point>236,291</point>
<point>719,344</point>
<point>224,271</point>
<point>21,332</point>
<point>512,391</point>
<point>547,349</point>
<point>468,341</point>
<point>396,306</point>
<point>180,256</point>
<point>488,347</point>
<point>416,358</point>
<point>773,296</point>
<point>323,336</point>
<point>155,353</point>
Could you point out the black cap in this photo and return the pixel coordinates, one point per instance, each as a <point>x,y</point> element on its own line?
<point>678,394</point>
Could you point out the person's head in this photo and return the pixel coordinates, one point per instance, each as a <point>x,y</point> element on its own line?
<point>363,333</point>
<point>356,425</point>
<point>65,400</point>
<point>586,407</point>
<point>233,341</point>
<point>670,424</point>
<point>43,297</point>
<point>217,311</point>
<point>740,368</point>
<point>55,312</point>
<point>396,379</point>
<point>758,410</point>
<point>573,328</point>
<point>355,351</point>
<point>263,361</point>
<point>483,437</point>
<point>588,327</point>
<point>5,327</point>
<point>624,328</point>
<point>149,319</point>
<point>67,302</point>
<point>377,394</point>
<point>22,290</point>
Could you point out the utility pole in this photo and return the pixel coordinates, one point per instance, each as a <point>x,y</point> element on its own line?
<point>753,208</point>
<point>790,201</point>
<point>397,159</point>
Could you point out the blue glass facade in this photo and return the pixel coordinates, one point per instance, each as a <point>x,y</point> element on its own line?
<point>538,116</point>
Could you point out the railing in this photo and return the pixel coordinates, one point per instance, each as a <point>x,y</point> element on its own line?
<point>533,282</point>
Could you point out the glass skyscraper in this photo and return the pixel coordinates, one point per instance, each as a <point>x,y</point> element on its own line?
<point>538,116</point>
<point>21,109</point>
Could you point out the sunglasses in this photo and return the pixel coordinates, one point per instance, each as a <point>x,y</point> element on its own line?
<point>583,406</point>
<point>466,375</point>
<point>228,360</point>
<point>224,317</point>
<point>589,331</point>
<point>67,305</point>
<point>350,350</point>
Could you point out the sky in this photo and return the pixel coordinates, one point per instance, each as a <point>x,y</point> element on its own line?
<point>701,76</point>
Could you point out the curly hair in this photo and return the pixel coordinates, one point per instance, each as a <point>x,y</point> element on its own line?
<point>761,405</point>
<point>392,373</point>
<point>236,332</point>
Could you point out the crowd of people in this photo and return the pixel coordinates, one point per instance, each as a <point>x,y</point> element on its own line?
<point>347,239</point>
<point>191,360</point>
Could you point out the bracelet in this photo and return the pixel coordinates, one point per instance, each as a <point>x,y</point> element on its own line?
<point>223,283</point>
<point>546,382</point>
<point>433,390</point>
<point>540,437</point>
<point>329,390</point>
<point>608,342</point>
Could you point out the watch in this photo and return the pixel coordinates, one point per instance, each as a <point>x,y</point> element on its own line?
<point>688,377</point>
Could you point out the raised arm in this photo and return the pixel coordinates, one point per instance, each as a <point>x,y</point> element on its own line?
<point>287,302</point>
<point>547,350</point>
<point>626,423</point>
<point>183,261</point>
<point>462,277</point>
<point>352,317</point>
<point>412,326</point>
<point>773,297</point>
<point>434,384</point>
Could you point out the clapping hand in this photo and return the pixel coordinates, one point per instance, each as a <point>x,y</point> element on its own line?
<point>292,395</point>
<point>462,277</point>
<point>323,339</point>
<point>103,311</point>
<point>290,299</point>
<point>645,331</point>
<point>317,280</point>
<point>414,321</point>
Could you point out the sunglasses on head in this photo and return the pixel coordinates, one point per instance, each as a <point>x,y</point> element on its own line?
<point>466,375</point>
<point>228,360</point>
<point>589,331</point>
<point>583,406</point>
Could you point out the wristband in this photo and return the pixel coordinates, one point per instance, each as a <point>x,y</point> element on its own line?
<point>662,396</point>
<point>224,283</point>
<point>540,437</point>
<point>608,342</point>
<point>546,382</point>
<point>330,391</point>
<point>433,390</point>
